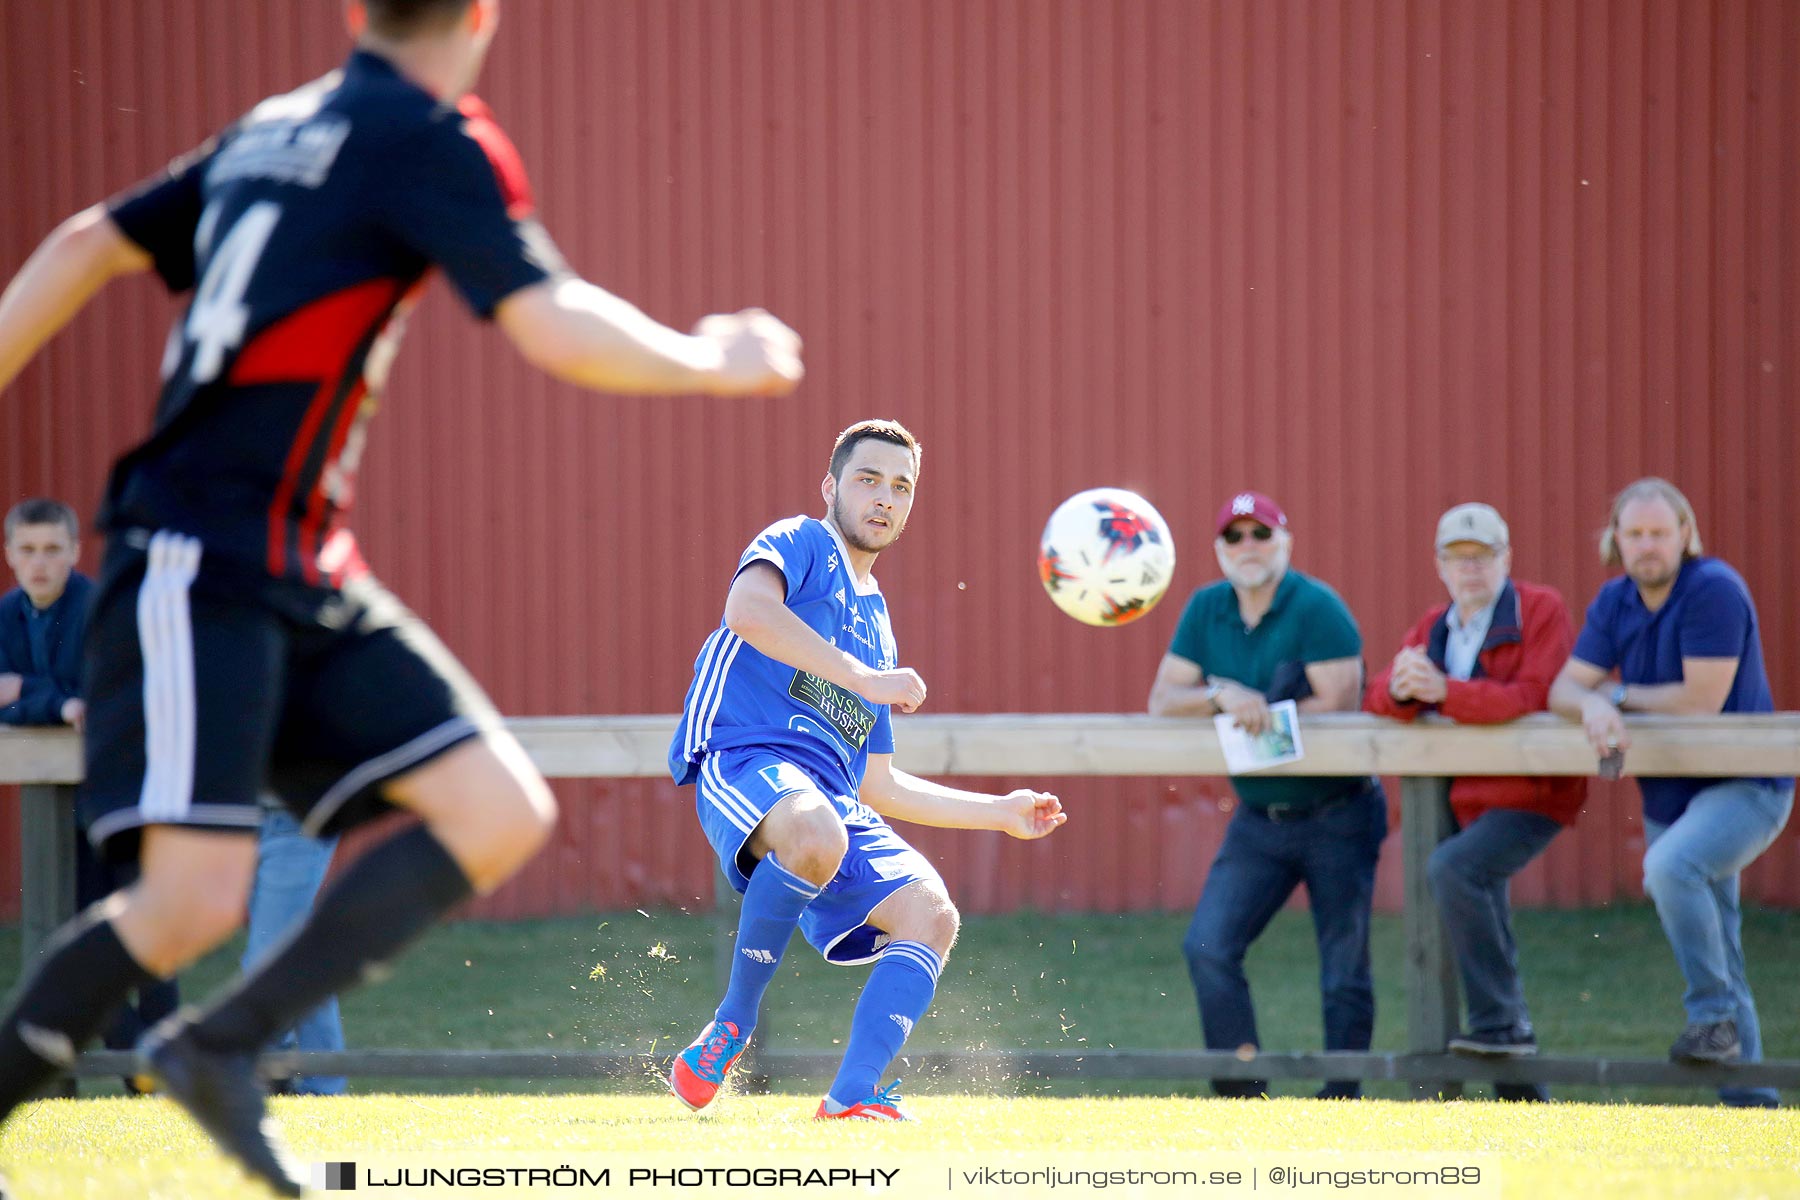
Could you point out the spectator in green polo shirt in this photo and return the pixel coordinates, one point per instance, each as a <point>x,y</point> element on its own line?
<point>1263,634</point>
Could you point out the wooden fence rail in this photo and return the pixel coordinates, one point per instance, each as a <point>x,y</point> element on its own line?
<point>1426,756</point>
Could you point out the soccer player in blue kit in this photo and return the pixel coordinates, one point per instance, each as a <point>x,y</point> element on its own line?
<point>237,641</point>
<point>786,733</point>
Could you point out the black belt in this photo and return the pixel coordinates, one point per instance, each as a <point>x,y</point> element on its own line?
<point>1283,813</point>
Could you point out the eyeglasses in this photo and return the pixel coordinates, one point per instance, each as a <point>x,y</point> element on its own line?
<point>1233,536</point>
<point>1483,559</point>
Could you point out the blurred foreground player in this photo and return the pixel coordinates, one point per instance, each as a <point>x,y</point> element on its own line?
<point>237,636</point>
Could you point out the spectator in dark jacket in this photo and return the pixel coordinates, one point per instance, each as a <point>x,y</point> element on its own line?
<point>42,623</point>
<point>42,620</point>
<point>1487,656</point>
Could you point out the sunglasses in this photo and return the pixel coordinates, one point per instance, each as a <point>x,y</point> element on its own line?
<point>1261,533</point>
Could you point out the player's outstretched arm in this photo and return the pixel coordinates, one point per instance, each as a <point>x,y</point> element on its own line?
<point>586,335</point>
<point>61,276</point>
<point>1022,812</point>
<point>757,611</point>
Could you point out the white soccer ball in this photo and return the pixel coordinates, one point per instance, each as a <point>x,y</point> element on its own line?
<point>1106,557</point>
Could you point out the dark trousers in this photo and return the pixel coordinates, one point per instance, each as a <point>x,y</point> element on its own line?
<point>1469,873</point>
<point>1258,867</point>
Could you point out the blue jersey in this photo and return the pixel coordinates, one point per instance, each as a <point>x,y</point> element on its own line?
<point>303,231</point>
<point>1708,613</point>
<point>741,697</point>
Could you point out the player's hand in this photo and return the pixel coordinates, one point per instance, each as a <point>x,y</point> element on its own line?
<point>1604,725</point>
<point>758,355</point>
<point>901,687</point>
<point>1031,814</point>
<point>74,712</point>
<point>1247,708</point>
<point>11,685</point>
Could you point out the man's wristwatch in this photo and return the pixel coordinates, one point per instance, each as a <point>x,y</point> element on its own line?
<point>1617,696</point>
<point>1211,695</point>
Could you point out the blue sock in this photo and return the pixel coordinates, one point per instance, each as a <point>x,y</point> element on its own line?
<point>897,994</point>
<point>772,906</point>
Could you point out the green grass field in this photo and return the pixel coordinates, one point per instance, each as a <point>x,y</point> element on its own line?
<point>1599,981</point>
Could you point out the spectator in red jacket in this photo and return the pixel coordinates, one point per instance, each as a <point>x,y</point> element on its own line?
<point>1486,657</point>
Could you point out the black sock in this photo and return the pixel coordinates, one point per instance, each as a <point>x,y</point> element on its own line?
<point>84,976</point>
<point>382,902</point>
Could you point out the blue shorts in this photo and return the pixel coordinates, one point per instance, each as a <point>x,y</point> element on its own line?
<point>737,788</point>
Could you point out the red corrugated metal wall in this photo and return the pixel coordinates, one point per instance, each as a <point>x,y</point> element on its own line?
<point>1373,257</point>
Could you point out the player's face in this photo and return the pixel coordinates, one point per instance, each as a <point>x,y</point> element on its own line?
<point>1257,558</point>
<point>873,495</point>
<point>1473,572</point>
<point>41,557</point>
<point>1650,537</point>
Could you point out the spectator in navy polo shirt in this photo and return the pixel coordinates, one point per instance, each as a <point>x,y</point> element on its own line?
<point>1680,631</point>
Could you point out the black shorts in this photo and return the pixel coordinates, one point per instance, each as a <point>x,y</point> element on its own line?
<point>209,685</point>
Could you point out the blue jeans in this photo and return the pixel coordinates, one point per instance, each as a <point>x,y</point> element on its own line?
<point>290,866</point>
<point>1691,872</point>
<point>1258,866</point>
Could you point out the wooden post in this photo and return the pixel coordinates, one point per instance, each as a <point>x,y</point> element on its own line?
<point>47,880</point>
<point>1431,1003</point>
<point>46,865</point>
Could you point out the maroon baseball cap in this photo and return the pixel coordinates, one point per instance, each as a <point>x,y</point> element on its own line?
<point>1254,505</point>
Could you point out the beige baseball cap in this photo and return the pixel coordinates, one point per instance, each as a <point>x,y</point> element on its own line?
<point>1472,523</point>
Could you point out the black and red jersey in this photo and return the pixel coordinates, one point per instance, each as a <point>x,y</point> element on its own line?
<point>304,231</point>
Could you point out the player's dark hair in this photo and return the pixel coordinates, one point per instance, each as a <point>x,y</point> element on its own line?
<point>398,20</point>
<point>42,511</point>
<point>881,431</point>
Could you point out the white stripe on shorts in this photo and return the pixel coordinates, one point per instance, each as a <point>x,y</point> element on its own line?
<point>385,766</point>
<point>166,640</point>
<point>727,799</point>
<point>243,816</point>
